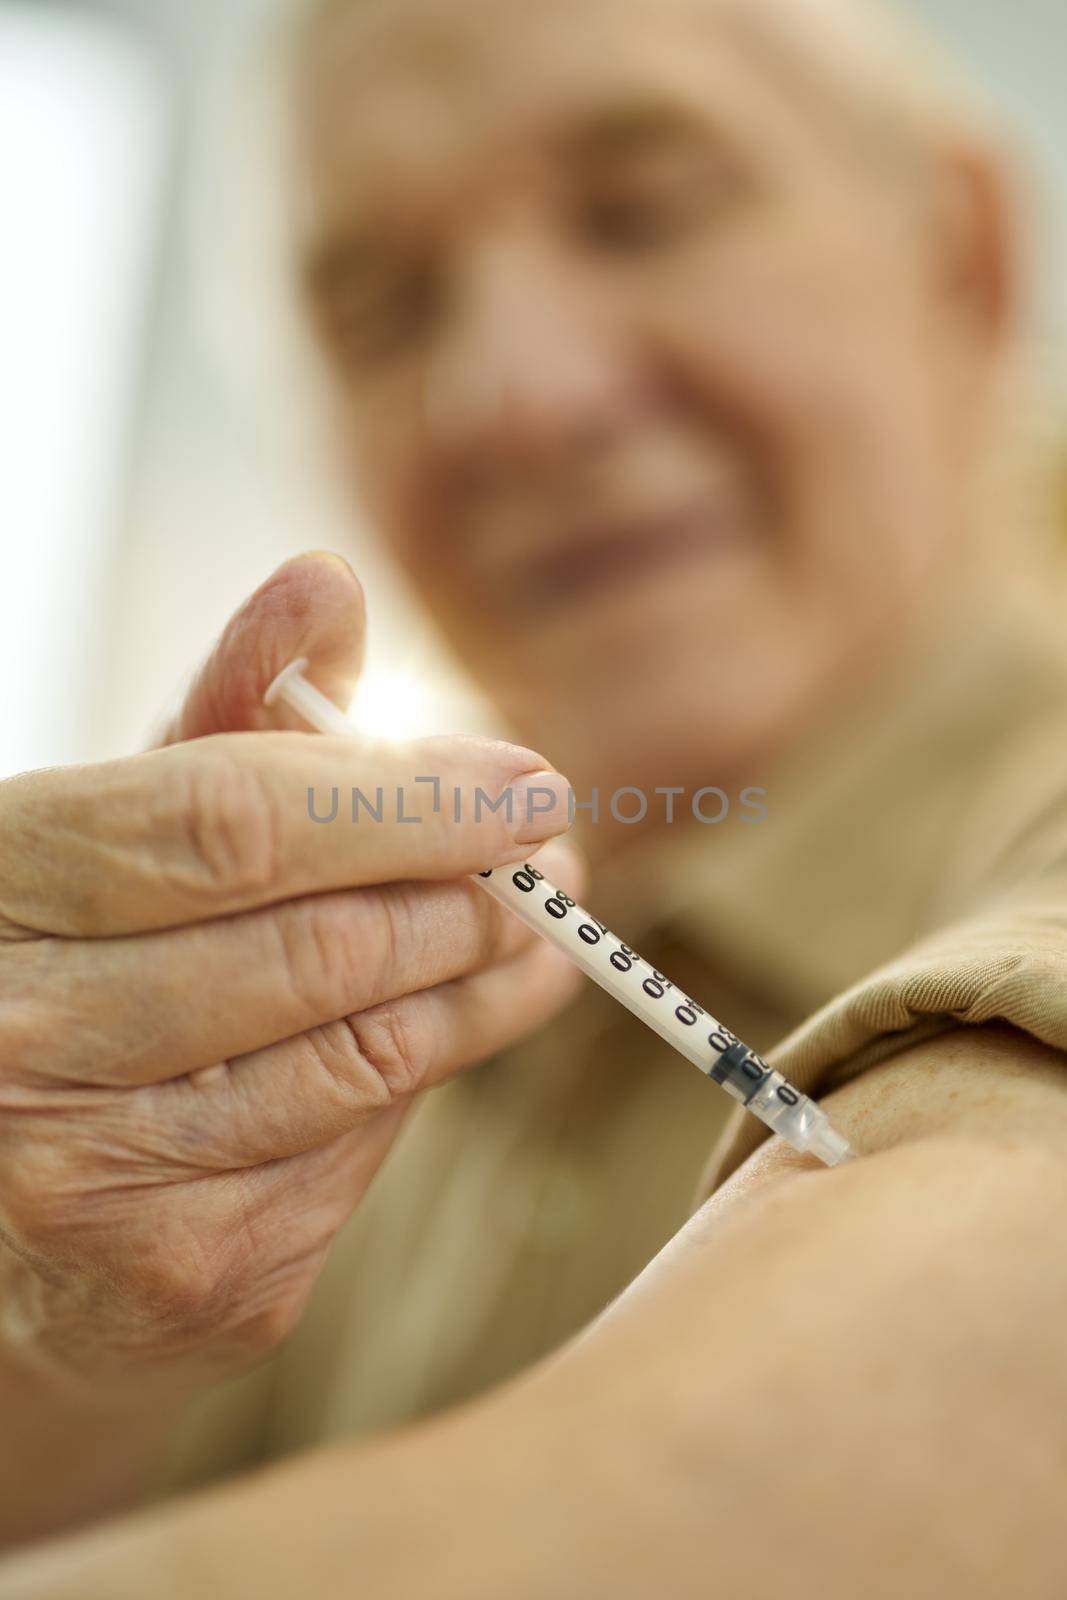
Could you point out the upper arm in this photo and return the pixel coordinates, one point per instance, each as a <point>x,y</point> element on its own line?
<point>868,1360</point>
<point>991,1083</point>
<point>831,1383</point>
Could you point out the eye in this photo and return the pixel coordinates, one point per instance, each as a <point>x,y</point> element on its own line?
<point>658,205</point>
<point>634,221</point>
<point>369,321</point>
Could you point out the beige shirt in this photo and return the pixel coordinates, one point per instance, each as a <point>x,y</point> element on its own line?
<point>911,875</point>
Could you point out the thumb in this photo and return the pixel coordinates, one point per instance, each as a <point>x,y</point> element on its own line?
<point>310,606</point>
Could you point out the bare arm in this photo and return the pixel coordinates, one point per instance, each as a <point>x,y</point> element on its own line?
<point>830,1384</point>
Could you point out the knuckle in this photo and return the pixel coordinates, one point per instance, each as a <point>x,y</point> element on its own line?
<point>266,1330</point>
<point>399,930</point>
<point>227,1298</point>
<point>318,953</point>
<point>165,1284</point>
<point>27,1042</point>
<point>229,827</point>
<point>40,1036</point>
<point>42,1197</point>
<point>183,1291</point>
<point>29,807</point>
<point>389,1040</point>
<point>29,1221</point>
<point>175,1296</point>
<point>386,1054</point>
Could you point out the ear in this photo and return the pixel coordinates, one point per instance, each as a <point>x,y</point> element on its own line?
<point>975,240</point>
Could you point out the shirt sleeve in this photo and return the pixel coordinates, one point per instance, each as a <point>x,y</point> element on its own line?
<point>998,953</point>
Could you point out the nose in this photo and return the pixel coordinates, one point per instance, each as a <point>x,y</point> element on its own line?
<point>533,370</point>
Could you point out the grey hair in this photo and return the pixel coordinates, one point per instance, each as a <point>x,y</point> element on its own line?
<point>868,58</point>
<point>882,85</point>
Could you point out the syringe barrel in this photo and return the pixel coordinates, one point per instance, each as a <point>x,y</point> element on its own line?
<point>650,995</point>
<point>634,982</point>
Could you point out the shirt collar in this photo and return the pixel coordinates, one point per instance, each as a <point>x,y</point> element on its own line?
<point>861,811</point>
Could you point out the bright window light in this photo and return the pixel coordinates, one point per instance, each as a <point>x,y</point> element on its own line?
<point>392,702</point>
<point>82,144</point>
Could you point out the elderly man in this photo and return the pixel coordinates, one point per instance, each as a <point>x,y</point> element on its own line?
<point>667,344</point>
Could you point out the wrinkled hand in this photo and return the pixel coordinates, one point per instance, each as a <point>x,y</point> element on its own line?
<point>214,1013</point>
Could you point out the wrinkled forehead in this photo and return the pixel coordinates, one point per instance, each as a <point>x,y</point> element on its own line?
<point>391,90</point>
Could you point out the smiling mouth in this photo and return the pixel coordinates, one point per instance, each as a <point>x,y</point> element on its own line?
<point>614,559</point>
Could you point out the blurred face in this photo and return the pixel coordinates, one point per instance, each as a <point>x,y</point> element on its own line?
<point>644,374</point>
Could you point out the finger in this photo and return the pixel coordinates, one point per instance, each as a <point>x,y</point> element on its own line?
<point>311,606</point>
<point>310,1090</point>
<point>337,1174</point>
<point>234,821</point>
<point>128,1011</point>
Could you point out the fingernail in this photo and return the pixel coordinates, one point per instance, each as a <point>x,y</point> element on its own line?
<point>541,807</point>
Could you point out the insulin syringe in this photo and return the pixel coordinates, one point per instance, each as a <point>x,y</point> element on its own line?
<point>636,984</point>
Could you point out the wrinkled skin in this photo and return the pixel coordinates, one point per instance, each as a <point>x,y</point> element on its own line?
<point>215,1014</point>
<point>663,387</point>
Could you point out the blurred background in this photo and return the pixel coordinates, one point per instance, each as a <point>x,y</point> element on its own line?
<point>160,451</point>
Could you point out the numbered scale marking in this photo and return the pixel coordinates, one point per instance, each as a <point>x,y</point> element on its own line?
<point>675,1016</point>
<point>697,1035</point>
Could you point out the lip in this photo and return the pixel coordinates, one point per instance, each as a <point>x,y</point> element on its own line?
<point>613,557</point>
